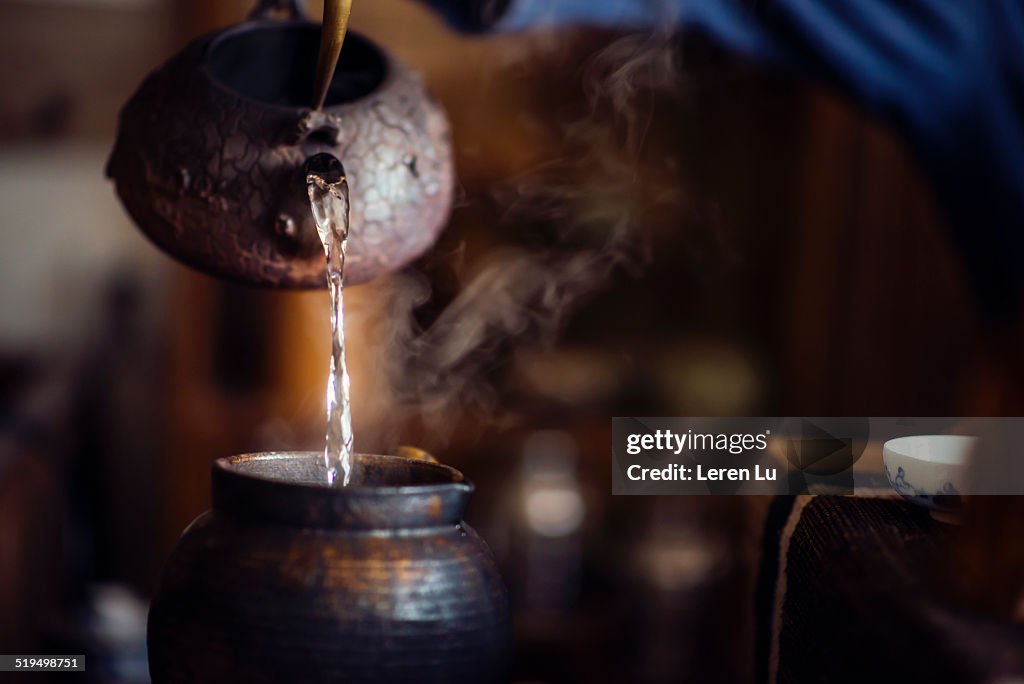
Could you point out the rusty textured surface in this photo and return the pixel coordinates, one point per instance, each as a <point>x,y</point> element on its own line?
<point>286,580</point>
<point>214,177</point>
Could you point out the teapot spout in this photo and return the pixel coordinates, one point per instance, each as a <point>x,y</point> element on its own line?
<point>325,167</point>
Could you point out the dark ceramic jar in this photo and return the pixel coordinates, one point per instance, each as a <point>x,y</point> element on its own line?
<point>210,153</point>
<point>288,580</point>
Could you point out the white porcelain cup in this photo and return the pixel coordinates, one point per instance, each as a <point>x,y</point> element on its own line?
<point>929,470</point>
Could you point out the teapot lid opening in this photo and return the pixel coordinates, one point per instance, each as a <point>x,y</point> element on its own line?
<point>275,63</point>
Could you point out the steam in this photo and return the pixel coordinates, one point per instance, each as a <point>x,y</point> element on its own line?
<point>592,199</point>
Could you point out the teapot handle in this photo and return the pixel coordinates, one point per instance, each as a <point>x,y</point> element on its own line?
<point>289,10</point>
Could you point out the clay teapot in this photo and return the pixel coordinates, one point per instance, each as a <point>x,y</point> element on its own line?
<point>210,152</point>
<point>289,580</point>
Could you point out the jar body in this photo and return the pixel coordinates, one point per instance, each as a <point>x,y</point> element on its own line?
<point>245,602</point>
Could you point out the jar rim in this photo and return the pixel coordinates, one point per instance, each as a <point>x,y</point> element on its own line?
<point>394,491</point>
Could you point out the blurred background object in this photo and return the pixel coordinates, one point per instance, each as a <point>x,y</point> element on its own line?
<point>766,220</point>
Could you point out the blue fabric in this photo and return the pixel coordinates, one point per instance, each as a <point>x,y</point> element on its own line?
<point>949,74</point>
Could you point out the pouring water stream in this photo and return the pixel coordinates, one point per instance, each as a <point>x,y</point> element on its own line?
<point>328,200</point>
